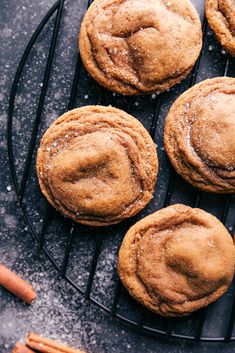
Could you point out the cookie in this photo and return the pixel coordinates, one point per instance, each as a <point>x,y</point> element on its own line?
<point>221,18</point>
<point>137,47</point>
<point>200,135</point>
<point>177,260</point>
<point>97,165</point>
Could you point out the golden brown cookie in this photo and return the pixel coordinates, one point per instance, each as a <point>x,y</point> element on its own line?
<point>177,260</point>
<point>200,135</point>
<point>136,47</point>
<point>221,18</point>
<point>97,165</point>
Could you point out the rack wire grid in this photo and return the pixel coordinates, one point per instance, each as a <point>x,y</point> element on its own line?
<point>86,256</point>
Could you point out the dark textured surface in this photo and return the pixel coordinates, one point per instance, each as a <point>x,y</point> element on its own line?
<point>60,312</point>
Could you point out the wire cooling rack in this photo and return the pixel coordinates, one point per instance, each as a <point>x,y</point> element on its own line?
<point>86,257</point>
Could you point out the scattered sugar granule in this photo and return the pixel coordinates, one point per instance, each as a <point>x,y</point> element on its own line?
<point>211,243</point>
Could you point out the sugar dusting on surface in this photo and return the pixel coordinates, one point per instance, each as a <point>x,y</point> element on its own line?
<point>60,312</point>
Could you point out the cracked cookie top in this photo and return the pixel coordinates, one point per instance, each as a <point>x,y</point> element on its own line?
<point>140,46</point>
<point>221,18</point>
<point>97,165</point>
<point>177,260</point>
<point>200,135</point>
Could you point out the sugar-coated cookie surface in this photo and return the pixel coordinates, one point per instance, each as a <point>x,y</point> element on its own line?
<point>200,135</point>
<point>97,165</point>
<point>177,260</point>
<point>137,47</point>
<point>221,18</point>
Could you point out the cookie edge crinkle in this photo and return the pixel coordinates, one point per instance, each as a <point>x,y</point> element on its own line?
<point>127,263</point>
<point>191,171</point>
<point>116,85</point>
<point>220,30</point>
<point>130,120</point>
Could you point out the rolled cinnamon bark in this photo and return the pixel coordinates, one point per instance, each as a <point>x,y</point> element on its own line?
<point>16,285</point>
<point>21,348</point>
<point>45,345</point>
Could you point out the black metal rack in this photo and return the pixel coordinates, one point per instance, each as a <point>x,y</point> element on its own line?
<point>117,302</point>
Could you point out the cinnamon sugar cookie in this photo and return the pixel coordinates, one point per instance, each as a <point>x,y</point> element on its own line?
<point>136,47</point>
<point>177,260</point>
<point>221,18</point>
<point>200,135</point>
<point>97,165</point>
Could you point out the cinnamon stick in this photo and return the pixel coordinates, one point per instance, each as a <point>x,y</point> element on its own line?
<point>21,348</point>
<point>16,285</point>
<point>45,345</point>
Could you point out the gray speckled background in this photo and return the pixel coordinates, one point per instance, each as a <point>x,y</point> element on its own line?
<point>60,312</point>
